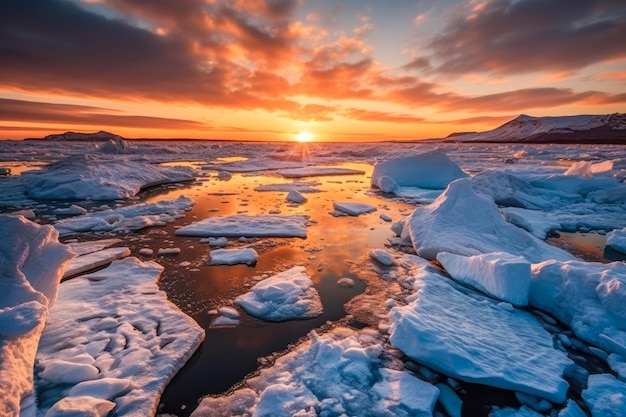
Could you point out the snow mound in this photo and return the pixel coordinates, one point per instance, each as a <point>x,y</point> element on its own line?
<point>317,172</point>
<point>338,373</point>
<point>82,178</point>
<point>247,226</point>
<point>616,239</point>
<point>285,296</point>
<point>246,256</point>
<point>589,297</point>
<point>477,340</point>
<point>463,222</point>
<point>114,325</point>
<point>94,260</point>
<point>605,396</point>
<point>430,170</point>
<point>353,209</point>
<point>31,264</point>
<point>133,217</point>
<point>499,274</point>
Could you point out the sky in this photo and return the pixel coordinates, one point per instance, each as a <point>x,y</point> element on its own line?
<point>352,70</point>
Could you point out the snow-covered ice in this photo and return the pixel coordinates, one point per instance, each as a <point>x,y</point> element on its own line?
<point>589,297</point>
<point>285,296</point>
<point>317,171</point>
<point>247,226</point>
<point>94,260</point>
<point>83,248</point>
<point>72,210</point>
<point>463,222</point>
<point>498,274</point>
<point>31,264</point>
<point>215,242</point>
<point>382,256</point>
<point>86,177</point>
<point>429,170</point>
<point>605,396</point>
<point>353,209</point>
<point>246,256</point>
<point>537,223</point>
<point>133,217</point>
<point>337,373</point>
<point>477,340</point>
<point>298,186</point>
<point>616,239</point>
<point>110,329</point>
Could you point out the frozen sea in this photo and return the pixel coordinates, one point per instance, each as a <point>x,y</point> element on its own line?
<point>374,325</point>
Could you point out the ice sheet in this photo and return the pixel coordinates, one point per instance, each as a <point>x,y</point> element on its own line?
<point>247,226</point>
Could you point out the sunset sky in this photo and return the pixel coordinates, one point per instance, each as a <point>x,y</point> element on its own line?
<point>270,69</point>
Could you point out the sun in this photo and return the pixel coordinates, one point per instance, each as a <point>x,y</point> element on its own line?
<point>304,136</point>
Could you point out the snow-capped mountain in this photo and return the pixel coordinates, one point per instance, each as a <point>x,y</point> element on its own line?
<point>607,128</point>
<point>100,136</point>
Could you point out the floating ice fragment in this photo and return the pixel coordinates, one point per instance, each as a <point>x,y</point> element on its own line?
<point>246,256</point>
<point>168,251</point>
<point>72,210</point>
<point>296,197</point>
<point>353,209</point>
<point>317,171</point>
<point>381,256</point>
<point>248,226</point>
<point>95,260</point>
<point>616,239</point>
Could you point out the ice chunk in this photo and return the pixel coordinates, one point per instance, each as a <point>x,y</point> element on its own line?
<point>353,209</point>
<point>67,372</point>
<point>95,260</point>
<point>248,226</point>
<point>105,388</point>
<point>83,248</point>
<point>475,340</point>
<point>72,210</point>
<point>168,251</point>
<point>587,169</point>
<point>572,410</point>
<point>511,412</point>
<point>215,242</point>
<point>605,396</point>
<point>537,223</point>
<point>381,256</point>
<point>285,296</point>
<point>246,256</point>
<point>430,170</point>
<point>32,262</point>
<point>499,274</point>
<point>132,217</point>
<point>616,239</point>
<point>589,297</point>
<point>463,222</point>
<point>317,172</point>
<point>299,186</point>
<point>295,197</point>
<point>338,373</point>
<point>81,406</point>
<point>82,178</point>
<point>120,318</point>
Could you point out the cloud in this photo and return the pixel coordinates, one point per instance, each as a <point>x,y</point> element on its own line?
<point>40,112</point>
<point>522,36</point>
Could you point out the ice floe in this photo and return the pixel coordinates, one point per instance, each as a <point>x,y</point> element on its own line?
<point>589,297</point>
<point>295,197</point>
<point>83,248</point>
<point>382,256</point>
<point>537,223</point>
<point>337,373</point>
<point>616,239</point>
<point>297,186</point>
<point>285,296</point>
<point>112,336</point>
<point>430,170</point>
<point>94,260</point>
<point>463,222</point>
<point>605,396</point>
<point>31,264</point>
<point>133,217</point>
<point>80,178</point>
<point>246,256</point>
<point>477,340</point>
<point>353,209</point>
<point>317,171</point>
<point>498,274</point>
<point>247,226</point>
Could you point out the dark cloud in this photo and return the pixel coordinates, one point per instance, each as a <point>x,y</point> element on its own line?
<point>38,112</point>
<point>522,36</point>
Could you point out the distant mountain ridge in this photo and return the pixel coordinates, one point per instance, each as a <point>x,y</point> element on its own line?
<point>100,136</point>
<point>607,128</point>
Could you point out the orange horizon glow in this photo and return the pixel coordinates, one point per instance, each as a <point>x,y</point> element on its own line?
<point>269,71</point>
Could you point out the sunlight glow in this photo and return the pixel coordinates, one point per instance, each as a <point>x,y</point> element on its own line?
<point>304,136</point>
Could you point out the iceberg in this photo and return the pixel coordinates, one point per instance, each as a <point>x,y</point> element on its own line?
<point>31,264</point>
<point>337,373</point>
<point>285,296</point>
<point>478,340</point>
<point>463,222</point>
<point>430,170</point>
<point>499,274</point>
<point>589,297</point>
<point>246,256</point>
<point>247,226</point>
<point>113,336</point>
<point>134,217</point>
<point>82,178</point>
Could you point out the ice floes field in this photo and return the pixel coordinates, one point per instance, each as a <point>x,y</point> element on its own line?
<point>273,279</point>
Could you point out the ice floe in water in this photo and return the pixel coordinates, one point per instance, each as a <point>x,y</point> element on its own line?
<point>463,222</point>
<point>298,186</point>
<point>353,209</point>
<point>31,264</point>
<point>247,226</point>
<point>605,396</point>
<point>94,260</point>
<point>246,256</point>
<point>285,296</point>
<point>317,171</point>
<point>588,297</point>
<point>477,340</point>
<point>334,374</point>
<point>112,336</point>
<point>81,178</point>
<point>83,248</point>
<point>616,239</point>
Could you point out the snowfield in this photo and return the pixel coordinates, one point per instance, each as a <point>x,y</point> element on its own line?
<point>503,269</point>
